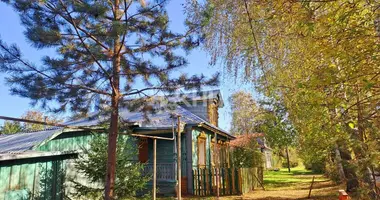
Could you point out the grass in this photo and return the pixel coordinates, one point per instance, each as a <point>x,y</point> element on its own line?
<point>274,180</point>
<point>282,185</point>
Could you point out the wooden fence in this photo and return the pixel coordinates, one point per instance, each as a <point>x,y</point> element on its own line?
<point>231,181</point>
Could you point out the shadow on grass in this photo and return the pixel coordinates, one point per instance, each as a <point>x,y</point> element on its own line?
<point>324,197</point>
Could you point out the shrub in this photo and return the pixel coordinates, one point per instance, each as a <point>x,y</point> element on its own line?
<point>292,163</point>
<point>92,164</point>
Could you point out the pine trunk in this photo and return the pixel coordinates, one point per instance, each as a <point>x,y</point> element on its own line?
<point>111,159</point>
<point>113,132</point>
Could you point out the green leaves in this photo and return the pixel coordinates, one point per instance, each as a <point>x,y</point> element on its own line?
<point>320,61</point>
<point>351,125</point>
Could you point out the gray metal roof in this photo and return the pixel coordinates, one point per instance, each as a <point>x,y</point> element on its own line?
<point>157,119</point>
<point>21,142</point>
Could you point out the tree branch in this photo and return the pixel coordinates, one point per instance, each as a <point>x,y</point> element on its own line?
<point>85,46</point>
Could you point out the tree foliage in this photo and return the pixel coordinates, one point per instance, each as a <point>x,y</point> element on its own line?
<point>38,116</point>
<point>92,165</point>
<point>10,127</point>
<point>246,113</point>
<point>320,59</point>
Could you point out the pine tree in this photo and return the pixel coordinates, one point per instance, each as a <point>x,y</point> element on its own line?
<point>108,50</point>
<point>130,178</point>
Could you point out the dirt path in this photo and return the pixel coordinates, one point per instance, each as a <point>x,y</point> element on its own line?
<point>295,185</point>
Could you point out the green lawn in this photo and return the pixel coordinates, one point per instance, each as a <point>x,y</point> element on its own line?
<point>283,178</point>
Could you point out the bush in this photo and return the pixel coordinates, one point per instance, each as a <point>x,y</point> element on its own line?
<point>247,156</point>
<point>292,163</point>
<point>92,164</point>
<point>315,166</point>
<point>331,171</point>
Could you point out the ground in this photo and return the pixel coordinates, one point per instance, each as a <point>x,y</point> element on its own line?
<point>282,185</point>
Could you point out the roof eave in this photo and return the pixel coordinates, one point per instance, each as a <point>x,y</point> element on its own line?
<point>37,154</point>
<point>205,125</point>
<point>153,130</point>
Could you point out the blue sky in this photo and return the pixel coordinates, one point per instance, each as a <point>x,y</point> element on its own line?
<point>11,31</point>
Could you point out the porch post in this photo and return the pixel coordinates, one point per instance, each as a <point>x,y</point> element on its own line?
<point>179,158</point>
<point>217,165</point>
<point>154,167</point>
<point>189,159</point>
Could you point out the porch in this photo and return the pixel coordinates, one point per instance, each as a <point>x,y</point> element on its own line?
<point>165,171</point>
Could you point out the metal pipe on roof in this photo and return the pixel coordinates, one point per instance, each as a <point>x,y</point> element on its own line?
<point>49,124</point>
<point>31,121</point>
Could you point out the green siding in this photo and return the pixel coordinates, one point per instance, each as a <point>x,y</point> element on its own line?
<point>4,180</point>
<point>67,142</point>
<point>17,195</point>
<point>165,152</point>
<point>41,178</point>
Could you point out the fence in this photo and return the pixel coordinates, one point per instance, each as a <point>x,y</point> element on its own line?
<point>231,180</point>
<point>165,171</point>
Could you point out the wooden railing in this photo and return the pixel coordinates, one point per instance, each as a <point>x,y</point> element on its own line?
<point>231,180</point>
<point>165,171</point>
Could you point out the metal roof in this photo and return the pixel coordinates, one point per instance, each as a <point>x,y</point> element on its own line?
<point>159,119</point>
<point>21,142</point>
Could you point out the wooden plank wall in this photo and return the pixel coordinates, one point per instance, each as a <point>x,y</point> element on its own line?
<point>38,179</point>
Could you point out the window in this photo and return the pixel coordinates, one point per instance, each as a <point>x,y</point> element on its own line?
<point>202,150</point>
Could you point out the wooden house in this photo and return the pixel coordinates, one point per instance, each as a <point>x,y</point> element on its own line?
<point>36,163</point>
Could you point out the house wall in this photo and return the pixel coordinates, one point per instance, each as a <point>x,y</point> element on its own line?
<point>44,177</point>
<point>68,141</point>
<point>36,178</point>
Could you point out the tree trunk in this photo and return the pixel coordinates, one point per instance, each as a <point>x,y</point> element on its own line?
<point>111,161</point>
<point>287,158</point>
<point>113,132</point>
<point>338,159</point>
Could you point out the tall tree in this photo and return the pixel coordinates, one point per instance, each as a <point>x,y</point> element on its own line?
<point>278,128</point>
<point>10,127</point>
<point>319,58</point>
<point>37,116</point>
<point>107,50</point>
<point>246,114</point>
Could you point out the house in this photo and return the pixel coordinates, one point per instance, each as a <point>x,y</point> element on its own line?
<point>244,140</point>
<point>37,163</point>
